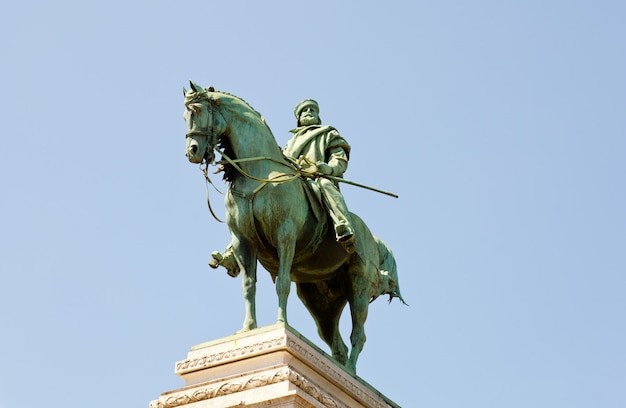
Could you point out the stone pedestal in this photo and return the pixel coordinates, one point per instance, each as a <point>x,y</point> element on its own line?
<point>273,366</point>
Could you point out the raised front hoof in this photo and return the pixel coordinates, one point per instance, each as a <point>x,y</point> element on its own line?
<point>228,262</point>
<point>216,260</point>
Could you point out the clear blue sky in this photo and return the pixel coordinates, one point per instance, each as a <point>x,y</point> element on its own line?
<point>500,124</point>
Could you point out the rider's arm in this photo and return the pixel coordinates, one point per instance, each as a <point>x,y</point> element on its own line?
<point>337,161</point>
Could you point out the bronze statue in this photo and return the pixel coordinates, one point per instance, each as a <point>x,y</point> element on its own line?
<point>276,218</point>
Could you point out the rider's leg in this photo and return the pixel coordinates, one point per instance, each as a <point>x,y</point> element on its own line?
<point>336,206</point>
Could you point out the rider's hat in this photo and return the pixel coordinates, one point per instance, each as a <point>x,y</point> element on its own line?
<point>300,107</point>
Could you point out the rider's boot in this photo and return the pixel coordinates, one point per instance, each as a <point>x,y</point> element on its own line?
<point>345,236</point>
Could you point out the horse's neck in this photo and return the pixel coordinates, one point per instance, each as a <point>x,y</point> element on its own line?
<point>250,141</point>
<point>254,147</point>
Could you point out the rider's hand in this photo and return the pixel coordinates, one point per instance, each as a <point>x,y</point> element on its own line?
<point>324,168</point>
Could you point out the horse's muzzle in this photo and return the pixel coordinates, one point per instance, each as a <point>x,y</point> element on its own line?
<point>193,153</point>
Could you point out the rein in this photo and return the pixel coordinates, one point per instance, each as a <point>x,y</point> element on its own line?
<point>288,177</point>
<point>278,179</point>
<point>205,172</point>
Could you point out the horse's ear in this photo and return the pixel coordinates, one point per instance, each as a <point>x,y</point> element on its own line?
<point>184,91</point>
<point>195,87</point>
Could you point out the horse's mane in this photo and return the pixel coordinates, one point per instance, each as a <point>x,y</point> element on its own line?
<point>223,143</point>
<point>234,104</point>
<point>236,101</point>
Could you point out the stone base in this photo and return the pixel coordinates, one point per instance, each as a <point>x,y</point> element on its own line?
<point>273,366</point>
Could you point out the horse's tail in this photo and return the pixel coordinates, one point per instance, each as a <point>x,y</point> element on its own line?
<point>389,272</point>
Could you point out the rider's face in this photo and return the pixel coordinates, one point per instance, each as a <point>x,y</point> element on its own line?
<point>309,116</point>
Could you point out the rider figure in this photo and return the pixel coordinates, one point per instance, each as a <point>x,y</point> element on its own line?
<point>327,152</point>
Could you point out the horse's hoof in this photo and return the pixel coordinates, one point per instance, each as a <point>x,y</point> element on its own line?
<point>247,327</point>
<point>217,259</point>
<point>245,330</point>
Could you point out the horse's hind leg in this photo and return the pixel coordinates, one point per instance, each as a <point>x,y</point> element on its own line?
<point>359,304</point>
<point>325,308</point>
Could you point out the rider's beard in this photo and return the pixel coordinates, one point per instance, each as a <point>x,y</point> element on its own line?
<point>307,120</point>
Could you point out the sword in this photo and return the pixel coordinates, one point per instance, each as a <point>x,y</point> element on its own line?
<point>342,180</point>
<point>313,172</point>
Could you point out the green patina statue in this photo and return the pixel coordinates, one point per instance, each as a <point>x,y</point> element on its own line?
<point>284,209</point>
<point>329,152</point>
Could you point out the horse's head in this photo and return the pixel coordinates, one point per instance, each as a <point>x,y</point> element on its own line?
<point>205,124</point>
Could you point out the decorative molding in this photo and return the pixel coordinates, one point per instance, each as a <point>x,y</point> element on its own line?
<point>337,374</point>
<point>210,359</point>
<point>215,390</point>
<point>317,359</point>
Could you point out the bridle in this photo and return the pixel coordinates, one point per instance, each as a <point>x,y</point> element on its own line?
<point>211,143</point>
<point>211,140</point>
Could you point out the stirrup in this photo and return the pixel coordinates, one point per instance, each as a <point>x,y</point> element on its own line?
<point>348,242</point>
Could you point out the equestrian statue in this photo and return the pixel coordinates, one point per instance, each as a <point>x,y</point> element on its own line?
<point>284,209</point>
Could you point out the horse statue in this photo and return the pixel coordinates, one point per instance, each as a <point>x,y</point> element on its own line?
<point>275,218</point>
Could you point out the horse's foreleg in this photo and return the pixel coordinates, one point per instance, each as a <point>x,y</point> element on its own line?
<point>248,260</point>
<point>248,285</point>
<point>283,279</point>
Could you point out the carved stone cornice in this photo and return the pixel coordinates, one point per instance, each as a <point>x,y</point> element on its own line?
<point>296,345</point>
<point>217,389</point>
<point>228,355</point>
<point>272,362</point>
<point>331,370</point>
